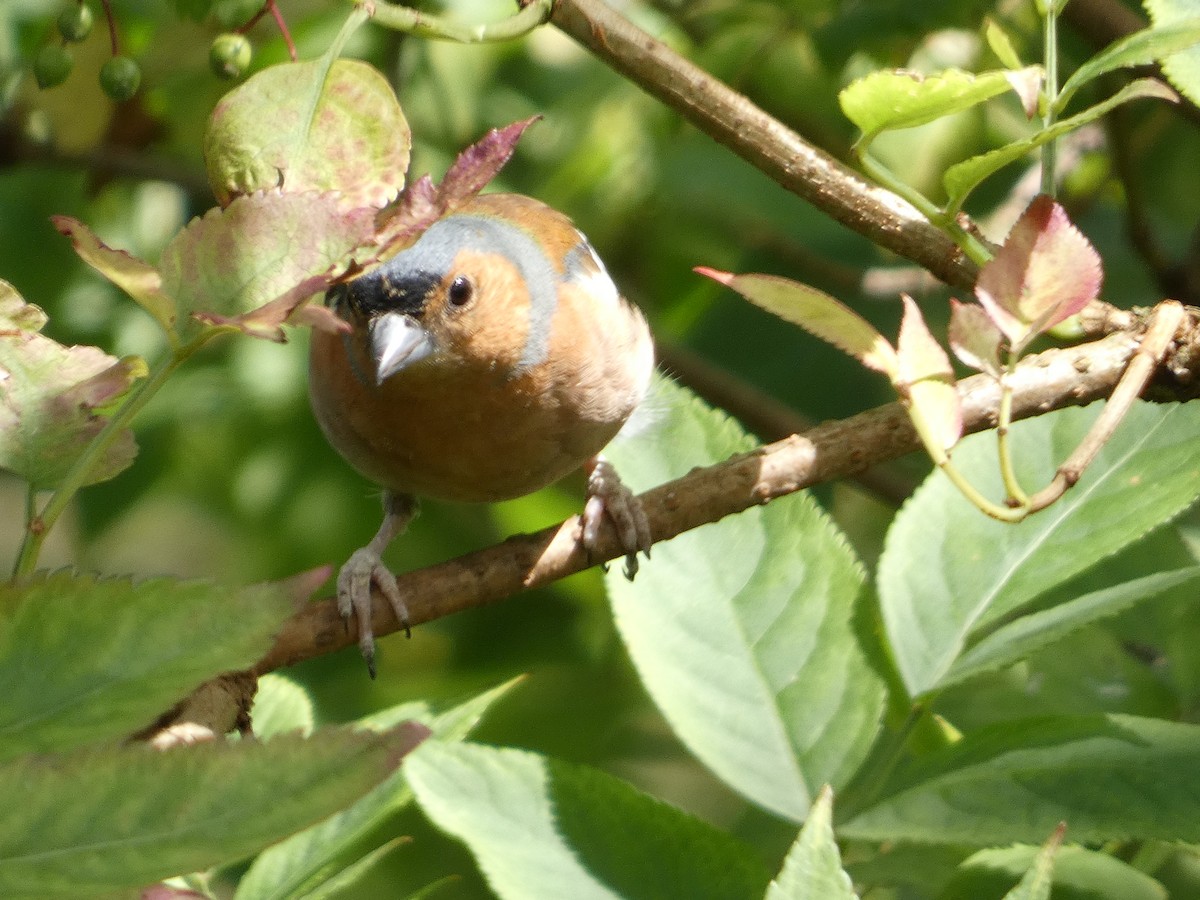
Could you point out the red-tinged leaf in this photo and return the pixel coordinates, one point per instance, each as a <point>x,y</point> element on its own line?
<point>974,337</point>
<point>476,166</point>
<point>422,203</point>
<point>267,321</point>
<point>926,379</point>
<point>817,313</point>
<point>138,279</point>
<point>1027,85</point>
<point>314,315</point>
<point>52,399</point>
<point>252,263</point>
<point>323,125</point>
<point>1045,272</point>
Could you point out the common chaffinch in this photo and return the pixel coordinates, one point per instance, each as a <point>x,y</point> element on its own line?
<point>487,360</point>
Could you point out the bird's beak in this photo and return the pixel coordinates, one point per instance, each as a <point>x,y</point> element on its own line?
<point>397,341</point>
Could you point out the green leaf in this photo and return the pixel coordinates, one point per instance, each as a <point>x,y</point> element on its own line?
<point>1018,639</point>
<point>1107,777</point>
<point>962,178</point>
<point>52,399</point>
<point>813,868</point>
<point>743,631</point>
<point>947,570</point>
<point>95,822</point>
<point>280,706</point>
<point>1079,874</point>
<point>1182,68</point>
<point>253,263</point>
<point>543,828</point>
<point>325,125</point>
<point>1138,49</point>
<point>311,861</point>
<point>84,660</point>
<point>1000,44</point>
<point>817,313</point>
<point>887,100</point>
<point>1036,883</point>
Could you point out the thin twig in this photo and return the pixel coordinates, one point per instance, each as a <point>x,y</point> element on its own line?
<point>763,141</point>
<point>1164,324</point>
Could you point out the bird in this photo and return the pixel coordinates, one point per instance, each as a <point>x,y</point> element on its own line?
<point>485,361</point>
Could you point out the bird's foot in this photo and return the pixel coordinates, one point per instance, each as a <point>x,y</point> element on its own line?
<point>363,569</point>
<point>608,496</point>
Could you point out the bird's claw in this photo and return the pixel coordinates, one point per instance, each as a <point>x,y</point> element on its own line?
<point>362,569</point>
<point>608,496</point>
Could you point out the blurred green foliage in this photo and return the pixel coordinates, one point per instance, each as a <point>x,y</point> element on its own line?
<point>234,478</point>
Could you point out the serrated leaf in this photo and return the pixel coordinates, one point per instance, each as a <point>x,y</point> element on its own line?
<point>817,313</point>
<point>813,867</point>
<point>422,203</point>
<point>1181,68</point>
<point>888,100</point>
<point>962,178</point>
<point>307,863</point>
<point>1046,271</point>
<point>1019,639</point>
<point>251,264</point>
<point>926,380</point>
<point>974,337</point>
<point>310,127</point>
<point>86,660</point>
<point>742,631</point>
<point>591,835</point>
<point>1169,36</point>
<point>53,399</point>
<point>1108,777</point>
<point>96,822</point>
<point>138,279</point>
<point>947,570</point>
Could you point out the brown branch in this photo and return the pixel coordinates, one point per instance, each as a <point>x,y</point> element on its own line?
<point>1050,380</point>
<point>763,141</point>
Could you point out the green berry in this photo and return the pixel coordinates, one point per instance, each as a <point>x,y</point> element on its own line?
<point>75,23</point>
<point>229,56</point>
<point>120,77</point>
<point>52,65</point>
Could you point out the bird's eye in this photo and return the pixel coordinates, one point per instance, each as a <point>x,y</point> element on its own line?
<point>461,291</point>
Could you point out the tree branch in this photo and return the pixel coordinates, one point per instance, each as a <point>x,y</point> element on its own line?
<point>1050,380</point>
<point>763,141</point>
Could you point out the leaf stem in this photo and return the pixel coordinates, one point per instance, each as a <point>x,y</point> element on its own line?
<point>38,525</point>
<point>967,242</point>
<point>942,460</point>
<point>402,18</point>
<point>1050,62</point>
<point>1016,494</point>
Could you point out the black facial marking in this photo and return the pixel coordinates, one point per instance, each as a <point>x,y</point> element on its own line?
<point>385,290</point>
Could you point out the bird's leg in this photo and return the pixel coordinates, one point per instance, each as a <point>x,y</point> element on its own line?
<point>365,567</point>
<point>607,495</point>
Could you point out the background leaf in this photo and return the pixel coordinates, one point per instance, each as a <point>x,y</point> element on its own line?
<point>1107,777</point>
<point>947,569</point>
<point>743,631</point>
<point>591,834</point>
<point>87,824</point>
<point>87,660</point>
